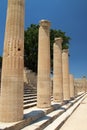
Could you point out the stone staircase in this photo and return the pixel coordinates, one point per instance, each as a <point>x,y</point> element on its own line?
<point>54,117</point>
<point>30,97</point>
<point>43,119</point>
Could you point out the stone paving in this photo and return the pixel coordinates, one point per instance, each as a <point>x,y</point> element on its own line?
<point>78,120</point>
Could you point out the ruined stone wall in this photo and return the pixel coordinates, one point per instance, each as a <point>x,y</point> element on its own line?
<point>30,78</point>
<point>78,84</point>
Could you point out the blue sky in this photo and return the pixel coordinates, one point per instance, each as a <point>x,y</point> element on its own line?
<point>68,15</point>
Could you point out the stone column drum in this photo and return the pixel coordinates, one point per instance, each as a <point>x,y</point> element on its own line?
<point>72,91</point>
<point>57,66</point>
<point>43,80</point>
<point>11,105</point>
<point>65,70</point>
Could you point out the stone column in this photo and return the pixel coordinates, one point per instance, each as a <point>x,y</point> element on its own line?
<point>43,80</point>
<point>75,87</point>
<point>84,83</point>
<point>57,66</point>
<point>72,91</point>
<point>65,70</point>
<point>11,105</point>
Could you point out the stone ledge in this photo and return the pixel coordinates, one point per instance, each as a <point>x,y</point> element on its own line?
<point>56,124</point>
<point>34,114</point>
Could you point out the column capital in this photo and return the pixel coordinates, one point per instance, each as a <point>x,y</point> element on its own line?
<point>65,50</point>
<point>44,23</point>
<point>58,40</point>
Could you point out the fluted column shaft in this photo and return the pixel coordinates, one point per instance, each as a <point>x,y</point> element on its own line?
<point>57,72</point>
<point>72,91</point>
<point>65,69</point>
<point>11,106</point>
<point>43,81</point>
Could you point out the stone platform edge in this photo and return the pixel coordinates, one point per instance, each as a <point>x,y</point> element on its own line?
<point>35,113</point>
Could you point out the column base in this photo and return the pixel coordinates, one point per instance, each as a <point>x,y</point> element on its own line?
<point>43,106</point>
<point>65,101</point>
<point>72,98</point>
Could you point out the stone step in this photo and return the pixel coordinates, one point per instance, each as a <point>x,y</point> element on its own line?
<point>31,116</point>
<point>29,95</point>
<point>58,122</point>
<point>30,101</point>
<point>30,104</point>
<point>26,97</point>
<point>29,92</point>
<point>29,88</point>
<point>29,98</point>
<point>26,106</point>
<point>43,122</point>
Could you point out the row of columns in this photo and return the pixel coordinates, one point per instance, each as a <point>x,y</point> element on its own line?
<point>11,99</point>
<point>63,82</point>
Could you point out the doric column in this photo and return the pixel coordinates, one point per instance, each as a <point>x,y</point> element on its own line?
<point>75,86</point>
<point>84,83</point>
<point>65,70</point>
<point>57,66</point>
<point>43,81</point>
<point>72,91</point>
<point>11,105</point>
